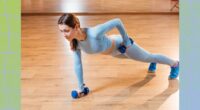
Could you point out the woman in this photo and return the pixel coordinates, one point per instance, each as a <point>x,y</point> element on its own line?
<point>94,40</point>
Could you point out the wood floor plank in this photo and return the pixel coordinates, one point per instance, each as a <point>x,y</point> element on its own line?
<point>97,6</point>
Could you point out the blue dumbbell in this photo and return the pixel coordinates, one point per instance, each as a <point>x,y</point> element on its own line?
<point>76,95</point>
<point>122,48</point>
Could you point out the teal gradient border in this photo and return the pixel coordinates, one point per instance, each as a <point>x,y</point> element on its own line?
<point>190,54</point>
<point>10,55</point>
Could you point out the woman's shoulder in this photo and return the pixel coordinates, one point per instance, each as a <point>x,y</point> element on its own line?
<point>90,31</point>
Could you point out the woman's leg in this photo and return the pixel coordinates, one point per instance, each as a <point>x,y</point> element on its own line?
<point>138,53</point>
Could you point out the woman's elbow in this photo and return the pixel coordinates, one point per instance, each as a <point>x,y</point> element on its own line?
<point>118,20</point>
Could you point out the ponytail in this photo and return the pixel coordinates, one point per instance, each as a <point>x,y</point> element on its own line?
<point>74,44</point>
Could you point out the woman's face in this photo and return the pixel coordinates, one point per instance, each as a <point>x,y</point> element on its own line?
<point>68,32</point>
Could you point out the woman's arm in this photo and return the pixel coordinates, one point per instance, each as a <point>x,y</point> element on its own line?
<point>78,68</point>
<point>107,26</point>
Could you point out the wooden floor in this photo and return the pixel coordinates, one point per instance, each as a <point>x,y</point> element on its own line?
<point>116,84</point>
<point>97,6</point>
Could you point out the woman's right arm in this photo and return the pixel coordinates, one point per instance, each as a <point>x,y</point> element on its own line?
<point>78,68</point>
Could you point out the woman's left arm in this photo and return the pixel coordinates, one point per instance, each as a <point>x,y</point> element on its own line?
<point>107,26</point>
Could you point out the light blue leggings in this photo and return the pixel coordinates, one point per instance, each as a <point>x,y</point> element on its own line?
<point>137,53</point>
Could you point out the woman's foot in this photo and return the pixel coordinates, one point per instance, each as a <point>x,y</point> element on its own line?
<point>152,68</point>
<point>174,71</point>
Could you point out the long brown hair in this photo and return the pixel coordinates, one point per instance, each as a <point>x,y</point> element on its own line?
<point>71,20</point>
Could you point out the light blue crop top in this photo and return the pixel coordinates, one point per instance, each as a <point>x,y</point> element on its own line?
<point>94,43</point>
